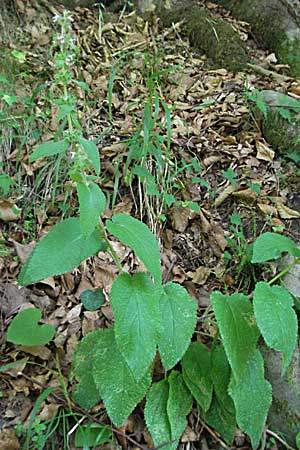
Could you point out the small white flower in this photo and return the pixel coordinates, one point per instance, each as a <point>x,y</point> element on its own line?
<point>69,59</point>
<point>61,38</point>
<point>55,18</point>
<point>72,155</point>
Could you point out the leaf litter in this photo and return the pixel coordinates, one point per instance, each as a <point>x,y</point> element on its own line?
<point>211,121</point>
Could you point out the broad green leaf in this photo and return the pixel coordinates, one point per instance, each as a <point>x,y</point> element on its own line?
<point>179,315</point>
<point>221,414</point>
<point>91,204</point>
<point>276,318</point>
<point>196,366</point>
<point>92,435</point>
<point>221,418</point>
<point>60,251</point>
<point>92,300</point>
<point>156,415</point>
<point>115,381</point>
<point>91,151</point>
<point>86,393</point>
<point>252,396</point>
<point>238,329</point>
<point>179,404</point>
<point>25,330</point>
<point>135,301</point>
<point>220,374</point>
<point>168,403</point>
<point>49,148</point>
<point>137,235</point>
<point>271,246</point>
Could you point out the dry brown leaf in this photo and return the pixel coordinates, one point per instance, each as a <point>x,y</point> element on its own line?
<point>287,213</point>
<point>267,210</point>
<point>225,194</point>
<point>200,275</point>
<point>247,195</point>
<point>181,217</point>
<point>9,211</point>
<point>8,439</point>
<point>264,152</point>
<point>189,435</point>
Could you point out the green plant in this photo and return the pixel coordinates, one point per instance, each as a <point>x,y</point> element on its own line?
<point>240,251</point>
<point>115,364</point>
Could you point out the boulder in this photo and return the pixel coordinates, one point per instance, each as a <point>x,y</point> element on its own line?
<point>275,25</point>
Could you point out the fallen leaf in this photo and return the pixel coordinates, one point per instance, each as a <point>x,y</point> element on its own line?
<point>264,152</point>
<point>9,211</point>
<point>287,213</point>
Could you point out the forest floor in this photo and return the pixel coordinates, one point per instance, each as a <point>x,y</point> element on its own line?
<point>229,186</point>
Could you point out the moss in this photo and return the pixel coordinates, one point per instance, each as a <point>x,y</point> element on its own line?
<point>281,135</point>
<point>267,22</point>
<point>211,36</point>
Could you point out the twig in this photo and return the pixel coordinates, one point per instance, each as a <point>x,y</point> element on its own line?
<point>268,73</point>
<point>271,433</point>
<point>214,435</point>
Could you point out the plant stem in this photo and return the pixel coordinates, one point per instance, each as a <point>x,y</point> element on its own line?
<point>284,271</point>
<point>110,248</point>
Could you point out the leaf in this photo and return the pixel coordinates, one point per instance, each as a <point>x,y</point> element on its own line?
<point>92,435</point>
<point>49,148</point>
<point>60,251</point>
<point>252,396</point>
<point>5,182</point>
<point>115,381</point>
<point>92,300</point>
<point>91,151</point>
<point>220,374</point>
<point>271,246</point>
<point>135,301</point>
<point>179,314</point>
<point>86,393</point>
<point>137,236</point>
<point>25,330</point>
<point>179,404</point>
<point>276,319</point>
<point>168,403</point>
<point>196,366</point>
<point>221,414</point>
<point>92,203</point>
<point>238,329</point>
<point>221,418</point>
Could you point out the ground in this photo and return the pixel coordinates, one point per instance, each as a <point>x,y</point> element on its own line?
<point>218,164</point>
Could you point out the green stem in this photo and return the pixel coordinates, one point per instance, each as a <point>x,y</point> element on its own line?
<point>284,271</point>
<point>110,248</point>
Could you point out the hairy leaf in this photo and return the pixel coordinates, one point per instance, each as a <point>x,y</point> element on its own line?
<point>252,396</point>
<point>137,235</point>
<point>271,246</point>
<point>115,381</point>
<point>221,414</point>
<point>238,329</point>
<point>276,318</point>
<point>179,315</point>
<point>49,148</point>
<point>196,365</point>
<point>92,203</point>
<point>221,418</point>
<point>24,329</point>
<point>60,251</point>
<point>91,151</point>
<point>168,403</point>
<point>135,301</point>
<point>86,393</point>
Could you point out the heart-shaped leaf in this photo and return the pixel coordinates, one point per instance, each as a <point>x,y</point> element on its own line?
<point>92,300</point>
<point>25,330</point>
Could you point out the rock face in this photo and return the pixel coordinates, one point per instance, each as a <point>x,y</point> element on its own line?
<point>275,25</point>
<point>281,134</point>
<point>284,414</point>
<point>208,34</point>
